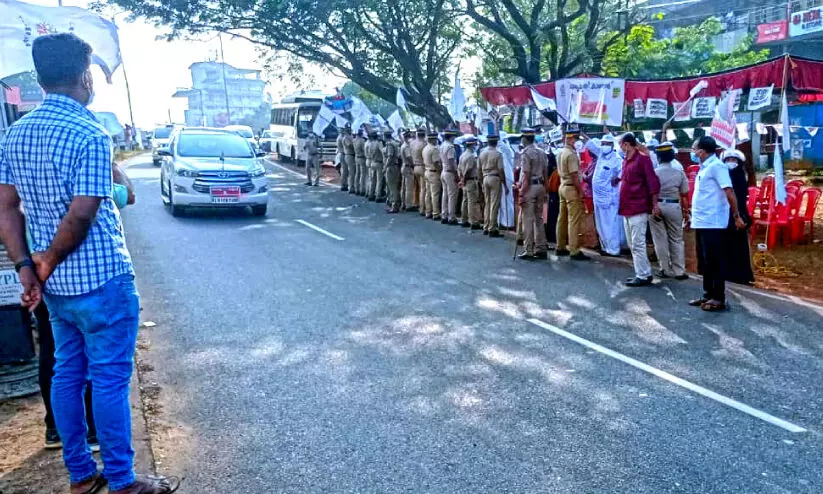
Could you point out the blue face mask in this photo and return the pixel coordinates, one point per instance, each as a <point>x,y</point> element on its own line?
<point>694,157</point>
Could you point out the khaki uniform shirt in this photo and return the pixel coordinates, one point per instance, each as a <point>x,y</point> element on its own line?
<point>405,154</point>
<point>391,152</point>
<point>359,145</point>
<point>375,152</point>
<point>447,153</point>
<point>348,145</point>
<point>673,182</point>
<point>311,146</point>
<point>431,158</point>
<point>567,163</point>
<point>534,164</point>
<point>416,148</point>
<point>491,162</point>
<point>468,165</point>
<point>339,143</point>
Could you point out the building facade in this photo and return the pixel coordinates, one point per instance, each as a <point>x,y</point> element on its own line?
<point>222,95</point>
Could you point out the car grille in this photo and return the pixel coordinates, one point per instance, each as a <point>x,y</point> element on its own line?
<point>205,180</point>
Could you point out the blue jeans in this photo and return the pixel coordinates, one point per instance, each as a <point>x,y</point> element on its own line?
<point>94,336</point>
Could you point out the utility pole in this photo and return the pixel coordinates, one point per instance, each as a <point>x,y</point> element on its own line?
<point>128,90</point>
<point>225,84</point>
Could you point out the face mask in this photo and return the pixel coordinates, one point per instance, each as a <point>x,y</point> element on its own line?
<point>578,146</point>
<point>732,164</point>
<point>606,150</point>
<point>622,154</point>
<point>694,157</point>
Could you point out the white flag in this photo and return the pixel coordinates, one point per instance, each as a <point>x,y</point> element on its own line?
<point>779,181</point>
<point>541,102</point>
<point>395,120</point>
<point>784,119</point>
<point>21,23</point>
<point>401,100</point>
<point>457,103</point>
<point>340,122</point>
<point>324,117</point>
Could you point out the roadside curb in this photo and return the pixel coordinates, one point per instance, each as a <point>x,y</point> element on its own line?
<point>141,442</point>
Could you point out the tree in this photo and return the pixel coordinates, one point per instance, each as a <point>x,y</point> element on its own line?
<point>531,39</point>
<point>690,51</point>
<point>378,44</point>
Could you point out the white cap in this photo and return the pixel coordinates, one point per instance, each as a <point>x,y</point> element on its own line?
<point>732,153</point>
<point>607,139</point>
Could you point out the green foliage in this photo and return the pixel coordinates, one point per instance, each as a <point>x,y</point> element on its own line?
<point>690,51</point>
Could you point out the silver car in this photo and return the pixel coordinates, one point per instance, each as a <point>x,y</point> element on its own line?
<point>207,168</point>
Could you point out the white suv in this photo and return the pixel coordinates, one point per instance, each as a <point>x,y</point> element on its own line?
<point>205,167</point>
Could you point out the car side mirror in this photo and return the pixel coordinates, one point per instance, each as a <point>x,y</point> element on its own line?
<point>261,154</point>
<point>164,151</point>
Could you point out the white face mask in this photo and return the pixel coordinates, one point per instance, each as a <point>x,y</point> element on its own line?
<point>606,150</point>
<point>578,146</point>
<point>732,164</point>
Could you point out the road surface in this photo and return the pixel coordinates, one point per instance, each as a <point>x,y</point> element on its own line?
<point>330,347</point>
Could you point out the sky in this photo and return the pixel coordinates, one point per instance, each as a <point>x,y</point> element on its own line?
<point>156,68</point>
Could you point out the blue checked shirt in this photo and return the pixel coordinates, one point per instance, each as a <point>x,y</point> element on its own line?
<point>57,152</point>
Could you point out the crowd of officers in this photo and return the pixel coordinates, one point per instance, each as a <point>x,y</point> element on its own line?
<point>422,175</point>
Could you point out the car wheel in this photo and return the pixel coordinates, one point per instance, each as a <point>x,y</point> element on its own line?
<point>162,187</point>
<point>175,210</point>
<point>259,210</point>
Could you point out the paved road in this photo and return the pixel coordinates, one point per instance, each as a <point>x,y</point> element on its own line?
<point>408,356</point>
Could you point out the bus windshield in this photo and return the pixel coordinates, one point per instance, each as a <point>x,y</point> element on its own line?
<point>305,121</point>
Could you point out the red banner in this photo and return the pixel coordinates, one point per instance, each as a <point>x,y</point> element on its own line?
<point>13,96</point>
<point>772,31</point>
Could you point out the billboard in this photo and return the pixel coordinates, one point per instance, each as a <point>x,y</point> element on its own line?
<point>772,31</point>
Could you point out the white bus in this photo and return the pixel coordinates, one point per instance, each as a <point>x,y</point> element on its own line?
<point>291,124</point>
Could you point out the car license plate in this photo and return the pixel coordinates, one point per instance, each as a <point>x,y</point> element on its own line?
<point>225,194</point>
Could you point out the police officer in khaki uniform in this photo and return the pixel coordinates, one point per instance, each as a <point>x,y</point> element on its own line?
<point>570,221</point>
<point>431,160</point>
<point>407,199</point>
<point>493,176</point>
<point>667,227</point>
<point>374,162</point>
<point>361,179</point>
<point>311,148</point>
<point>349,161</point>
<point>448,178</point>
<point>421,185</point>
<point>470,212</point>
<point>533,169</point>
<point>340,162</point>
<point>391,156</point>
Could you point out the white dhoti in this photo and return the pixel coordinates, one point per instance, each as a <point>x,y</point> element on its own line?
<point>609,225</point>
<point>505,217</point>
<point>609,228</point>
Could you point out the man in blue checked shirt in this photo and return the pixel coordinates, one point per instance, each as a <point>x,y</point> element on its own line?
<point>57,163</point>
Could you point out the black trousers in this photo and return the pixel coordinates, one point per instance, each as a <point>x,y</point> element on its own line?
<point>551,219</point>
<point>711,260</point>
<point>46,370</point>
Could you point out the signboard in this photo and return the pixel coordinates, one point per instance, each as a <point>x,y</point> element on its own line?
<point>760,97</point>
<point>738,96</point>
<point>639,109</point>
<point>10,287</point>
<point>593,100</point>
<point>772,31</point>
<point>806,22</point>
<point>703,107</point>
<point>723,132</point>
<point>682,111</point>
<point>657,108</point>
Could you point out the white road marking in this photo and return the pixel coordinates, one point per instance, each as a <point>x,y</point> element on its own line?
<point>318,229</point>
<point>278,165</point>
<point>671,378</point>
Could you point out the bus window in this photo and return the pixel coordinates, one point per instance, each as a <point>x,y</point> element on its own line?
<point>305,119</point>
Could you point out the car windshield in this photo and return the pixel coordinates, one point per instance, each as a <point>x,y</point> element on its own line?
<point>244,133</point>
<point>162,132</point>
<point>266,134</point>
<point>213,146</point>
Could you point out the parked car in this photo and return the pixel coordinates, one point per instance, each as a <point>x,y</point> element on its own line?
<point>205,168</point>
<point>264,143</point>
<point>160,139</point>
<point>243,131</point>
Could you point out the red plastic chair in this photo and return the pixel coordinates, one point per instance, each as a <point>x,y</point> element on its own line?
<point>765,197</point>
<point>793,189</point>
<point>796,183</point>
<point>778,221</point>
<point>692,171</point>
<point>809,198</point>
<point>751,202</point>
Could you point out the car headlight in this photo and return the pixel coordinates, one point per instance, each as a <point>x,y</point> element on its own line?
<point>257,172</point>
<point>185,172</point>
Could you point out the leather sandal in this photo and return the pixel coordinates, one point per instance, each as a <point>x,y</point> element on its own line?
<point>713,306</point>
<point>149,484</point>
<point>698,302</point>
<point>98,483</point>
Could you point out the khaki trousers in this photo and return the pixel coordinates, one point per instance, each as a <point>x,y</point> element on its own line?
<point>407,197</point>
<point>344,170</point>
<point>380,186</point>
<point>570,221</point>
<point>448,205</point>
<point>393,186</point>
<point>534,235</point>
<point>667,234</point>
<point>362,180</point>
<point>313,166</point>
<point>433,189</point>
<point>420,186</point>
<point>351,174</point>
<point>371,182</point>
<point>491,195</point>
<point>470,209</point>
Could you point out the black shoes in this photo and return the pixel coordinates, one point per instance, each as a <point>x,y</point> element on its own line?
<point>476,227</point>
<point>453,222</point>
<point>444,221</point>
<point>681,277</point>
<point>495,234</point>
<point>485,232</point>
<point>637,282</point>
<point>541,255</point>
<point>344,189</point>
<point>52,439</point>
<point>465,225</point>
<point>308,184</point>
<point>579,257</point>
<point>561,252</point>
<point>527,257</point>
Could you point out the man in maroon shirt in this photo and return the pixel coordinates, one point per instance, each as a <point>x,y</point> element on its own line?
<point>639,187</point>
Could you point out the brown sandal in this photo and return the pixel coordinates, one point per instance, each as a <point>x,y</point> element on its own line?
<point>698,302</point>
<point>98,483</point>
<point>149,484</point>
<point>713,306</point>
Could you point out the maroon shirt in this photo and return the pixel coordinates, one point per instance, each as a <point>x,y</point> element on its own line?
<point>637,185</point>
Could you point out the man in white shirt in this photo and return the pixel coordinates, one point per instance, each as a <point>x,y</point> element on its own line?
<point>606,195</point>
<point>712,203</point>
